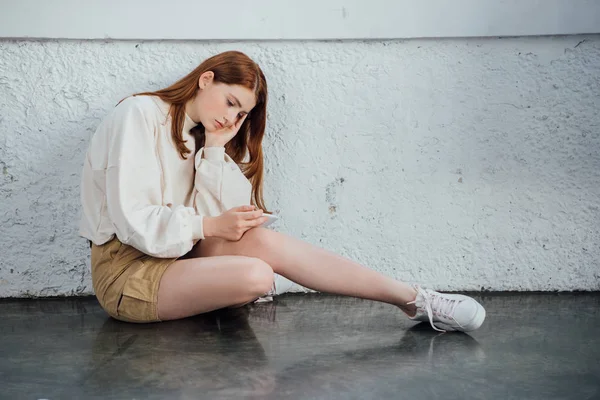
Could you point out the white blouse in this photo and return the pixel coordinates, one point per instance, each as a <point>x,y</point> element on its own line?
<point>135,185</point>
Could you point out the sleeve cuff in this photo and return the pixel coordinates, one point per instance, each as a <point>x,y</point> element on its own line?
<point>197,227</point>
<point>214,153</point>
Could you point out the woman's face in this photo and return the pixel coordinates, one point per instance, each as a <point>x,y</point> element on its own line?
<point>218,105</point>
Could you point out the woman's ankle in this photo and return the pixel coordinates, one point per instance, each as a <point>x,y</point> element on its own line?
<point>410,310</point>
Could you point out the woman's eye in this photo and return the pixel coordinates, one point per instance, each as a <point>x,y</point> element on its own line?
<point>229,103</point>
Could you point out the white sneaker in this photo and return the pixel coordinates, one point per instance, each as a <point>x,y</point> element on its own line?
<point>456,311</point>
<point>280,285</point>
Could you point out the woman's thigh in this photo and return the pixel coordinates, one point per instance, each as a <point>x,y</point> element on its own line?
<point>196,285</point>
<point>256,242</point>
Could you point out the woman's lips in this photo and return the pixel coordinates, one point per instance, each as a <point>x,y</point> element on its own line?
<point>218,124</point>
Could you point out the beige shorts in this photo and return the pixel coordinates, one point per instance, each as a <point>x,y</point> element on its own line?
<point>126,281</point>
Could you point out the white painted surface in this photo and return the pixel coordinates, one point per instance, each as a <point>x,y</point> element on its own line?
<point>459,164</point>
<point>306,19</point>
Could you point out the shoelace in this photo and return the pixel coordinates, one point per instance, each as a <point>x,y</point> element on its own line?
<point>273,290</point>
<point>267,296</point>
<point>444,306</point>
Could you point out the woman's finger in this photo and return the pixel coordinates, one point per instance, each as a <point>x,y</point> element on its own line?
<point>258,222</point>
<point>253,223</point>
<point>240,122</point>
<point>250,215</point>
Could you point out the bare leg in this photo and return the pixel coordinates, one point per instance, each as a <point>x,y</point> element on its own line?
<point>194,286</point>
<point>312,267</point>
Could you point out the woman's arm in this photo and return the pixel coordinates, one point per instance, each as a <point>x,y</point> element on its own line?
<point>134,188</point>
<point>219,182</point>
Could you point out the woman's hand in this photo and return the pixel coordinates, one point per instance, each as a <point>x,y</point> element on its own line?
<point>220,137</point>
<point>232,224</point>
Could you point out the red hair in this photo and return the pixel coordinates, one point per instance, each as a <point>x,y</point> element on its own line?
<point>231,68</point>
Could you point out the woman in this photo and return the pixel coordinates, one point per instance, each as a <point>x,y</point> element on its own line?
<point>172,205</point>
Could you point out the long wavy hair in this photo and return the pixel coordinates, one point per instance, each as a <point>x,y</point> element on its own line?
<point>231,68</point>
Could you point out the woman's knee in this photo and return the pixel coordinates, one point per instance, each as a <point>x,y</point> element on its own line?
<point>260,238</point>
<point>258,276</point>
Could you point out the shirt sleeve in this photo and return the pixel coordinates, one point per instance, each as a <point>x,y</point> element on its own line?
<point>219,182</point>
<point>134,190</point>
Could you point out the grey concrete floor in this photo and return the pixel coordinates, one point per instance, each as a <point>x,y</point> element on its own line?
<point>532,346</point>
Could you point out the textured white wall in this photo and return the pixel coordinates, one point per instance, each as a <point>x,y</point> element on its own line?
<point>463,164</point>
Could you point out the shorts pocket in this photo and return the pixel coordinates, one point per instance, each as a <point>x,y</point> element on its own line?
<point>137,302</point>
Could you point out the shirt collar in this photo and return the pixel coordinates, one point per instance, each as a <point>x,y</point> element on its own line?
<point>188,123</point>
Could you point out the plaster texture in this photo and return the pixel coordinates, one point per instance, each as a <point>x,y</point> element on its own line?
<point>461,164</point>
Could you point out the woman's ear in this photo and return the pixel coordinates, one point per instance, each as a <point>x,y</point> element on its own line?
<point>205,79</point>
